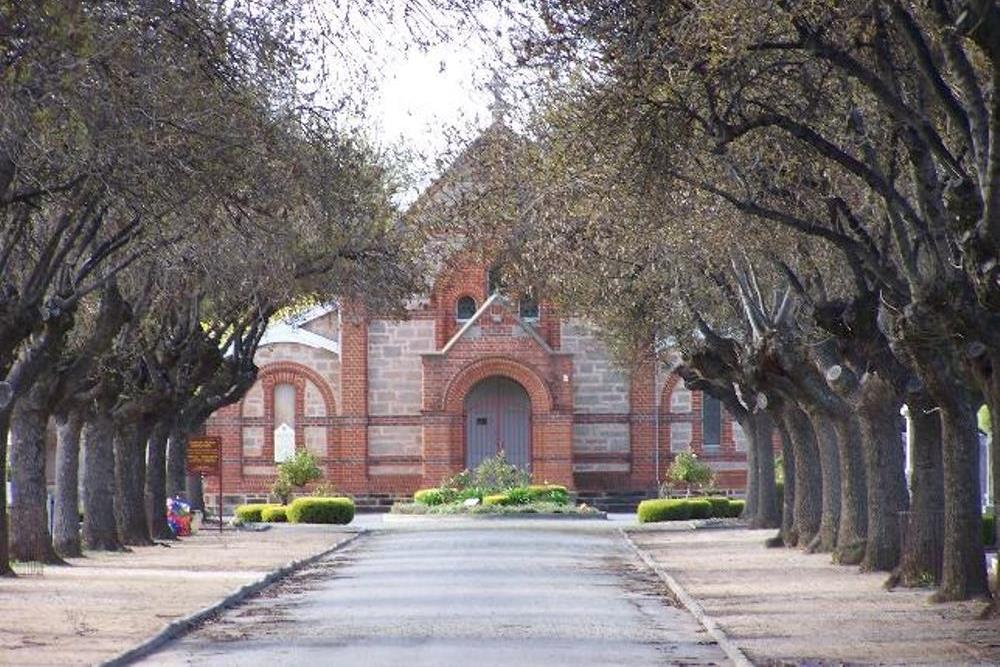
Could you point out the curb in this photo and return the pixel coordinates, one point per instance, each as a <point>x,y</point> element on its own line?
<point>181,626</point>
<point>428,518</point>
<point>729,647</point>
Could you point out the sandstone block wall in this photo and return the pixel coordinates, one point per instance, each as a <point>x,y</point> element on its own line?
<point>599,386</point>
<point>600,438</point>
<point>395,367</point>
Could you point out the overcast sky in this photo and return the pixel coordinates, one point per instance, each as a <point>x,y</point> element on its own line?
<point>425,99</point>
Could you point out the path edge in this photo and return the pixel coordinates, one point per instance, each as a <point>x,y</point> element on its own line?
<point>182,626</point>
<point>728,646</point>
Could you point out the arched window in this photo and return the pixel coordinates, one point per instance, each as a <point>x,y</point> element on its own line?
<point>711,422</point>
<point>528,308</point>
<point>465,308</point>
<point>284,422</point>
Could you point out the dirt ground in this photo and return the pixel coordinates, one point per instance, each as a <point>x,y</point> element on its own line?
<point>106,603</point>
<point>782,606</point>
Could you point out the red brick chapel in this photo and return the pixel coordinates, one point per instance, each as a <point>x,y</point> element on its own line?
<point>389,406</point>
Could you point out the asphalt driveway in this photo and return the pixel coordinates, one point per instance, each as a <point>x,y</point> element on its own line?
<point>474,593</point>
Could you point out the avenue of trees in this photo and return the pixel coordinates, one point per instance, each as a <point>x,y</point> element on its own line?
<point>799,202</point>
<point>166,188</point>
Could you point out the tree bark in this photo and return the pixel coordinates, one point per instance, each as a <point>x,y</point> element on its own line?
<point>5,568</point>
<point>826,442</point>
<point>66,523</point>
<point>100,530</point>
<point>750,509</point>
<point>176,462</point>
<point>964,569</point>
<point>878,413</point>
<point>29,517</point>
<point>156,482</point>
<point>789,534</point>
<point>130,482</point>
<point>852,532</point>
<point>808,494</point>
<point>767,513</point>
<point>924,546</point>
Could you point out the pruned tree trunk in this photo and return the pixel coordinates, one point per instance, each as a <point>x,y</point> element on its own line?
<point>66,522</point>
<point>176,462</point>
<point>156,482</point>
<point>789,533</point>
<point>767,513</point>
<point>750,508</point>
<point>964,569</point>
<point>878,412</point>
<point>5,568</point>
<point>852,531</point>
<point>829,462</point>
<point>808,496</point>
<point>100,530</point>
<point>922,553</point>
<point>130,482</point>
<point>29,518</point>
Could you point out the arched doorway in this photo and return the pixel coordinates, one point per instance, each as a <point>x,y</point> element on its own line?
<point>498,417</point>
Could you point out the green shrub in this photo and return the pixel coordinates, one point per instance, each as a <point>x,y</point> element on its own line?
<point>520,495</point>
<point>274,514</point>
<point>720,506</point>
<point>251,513</point>
<point>549,493</point>
<point>321,510</point>
<point>663,509</point>
<point>736,508</point>
<point>779,489</point>
<point>700,508</point>
<point>295,473</point>
<point>496,499</point>
<point>989,521</point>
<point>430,497</point>
<point>686,469</point>
<point>496,474</point>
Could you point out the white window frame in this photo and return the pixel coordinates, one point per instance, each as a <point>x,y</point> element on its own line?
<point>741,441</point>
<point>678,407</point>
<point>678,441</point>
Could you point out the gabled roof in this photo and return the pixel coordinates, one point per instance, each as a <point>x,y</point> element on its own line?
<point>466,164</point>
<point>496,297</point>
<point>290,330</point>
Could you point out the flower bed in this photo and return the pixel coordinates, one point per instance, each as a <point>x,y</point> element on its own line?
<point>494,487</point>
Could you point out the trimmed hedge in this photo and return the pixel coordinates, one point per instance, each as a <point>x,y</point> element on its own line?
<point>496,499</point>
<point>682,509</point>
<point>321,510</point>
<point>700,509</point>
<point>720,505</point>
<point>252,513</point>
<point>736,509</point>
<point>548,493</point>
<point>663,509</point>
<point>274,514</point>
<point>429,497</point>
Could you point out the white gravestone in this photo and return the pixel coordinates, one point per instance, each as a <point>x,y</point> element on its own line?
<point>284,443</point>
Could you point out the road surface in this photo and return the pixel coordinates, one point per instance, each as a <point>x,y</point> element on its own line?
<point>474,593</point>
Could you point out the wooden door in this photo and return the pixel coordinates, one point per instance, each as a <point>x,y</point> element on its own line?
<point>498,418</point>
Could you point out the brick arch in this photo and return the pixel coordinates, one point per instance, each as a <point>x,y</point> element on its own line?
<point>668,389</point>
<point>290,372</point>
<point>470,375</point>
